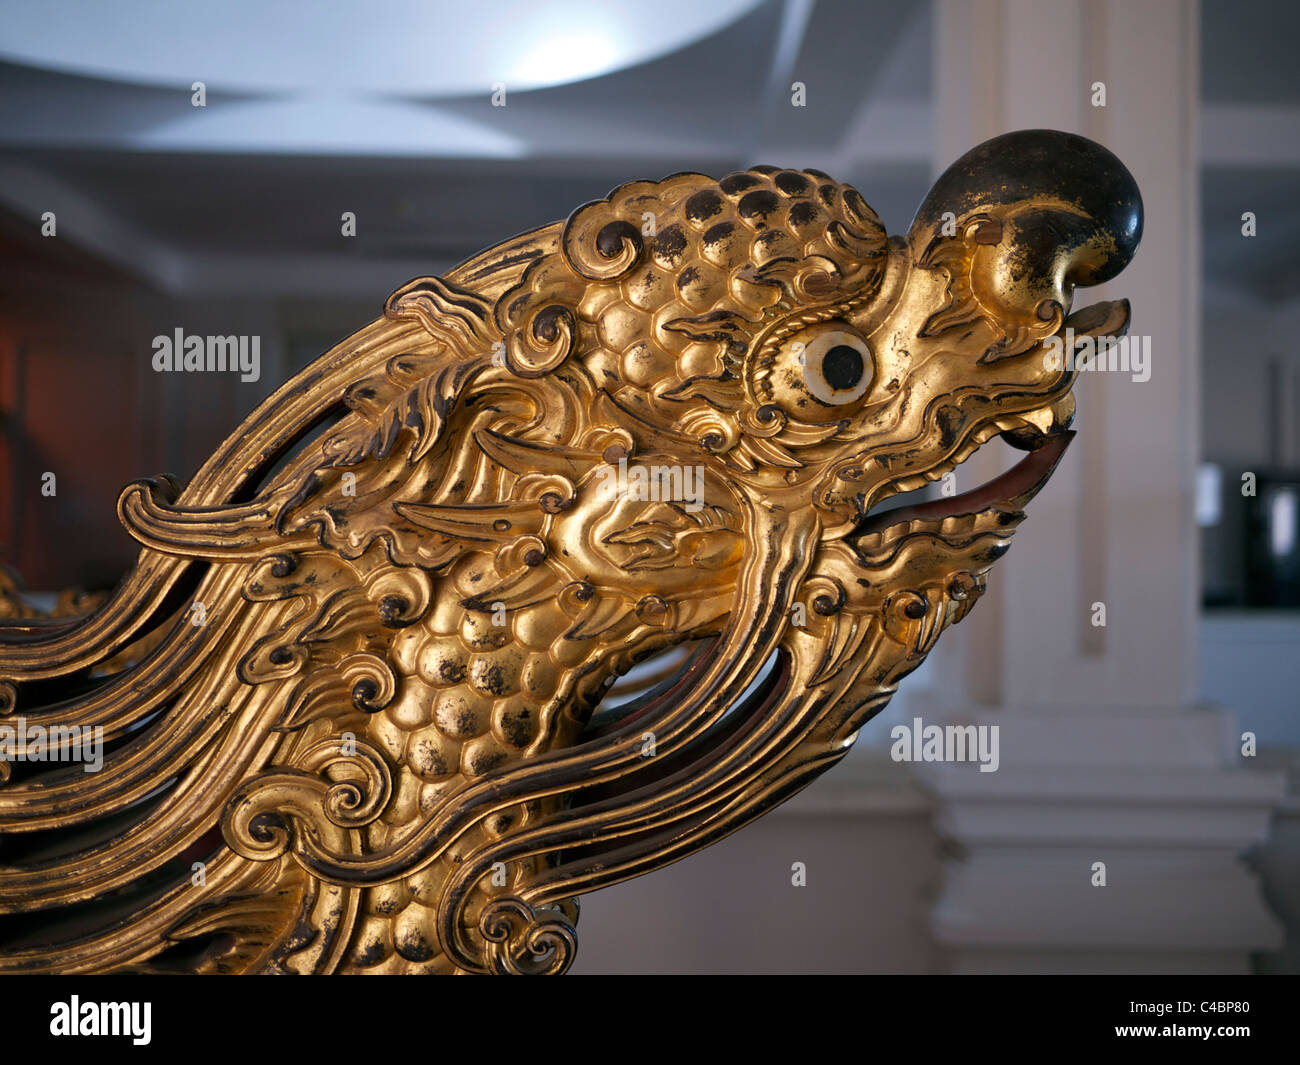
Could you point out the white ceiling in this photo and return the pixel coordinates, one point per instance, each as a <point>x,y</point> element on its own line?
<point>384,109</point>
<point>408,48</point>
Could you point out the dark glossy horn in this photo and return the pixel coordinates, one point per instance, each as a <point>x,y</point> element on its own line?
<point>1080,207</point>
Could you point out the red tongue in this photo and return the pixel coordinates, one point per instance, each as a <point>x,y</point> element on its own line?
<point>1012,490</point>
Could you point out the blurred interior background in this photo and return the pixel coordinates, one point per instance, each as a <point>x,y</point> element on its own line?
<point>1124,747</point>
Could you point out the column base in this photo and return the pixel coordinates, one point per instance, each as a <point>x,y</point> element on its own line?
<point>1153,795</point>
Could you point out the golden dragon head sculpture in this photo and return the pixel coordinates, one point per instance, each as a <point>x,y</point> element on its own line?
<point>350,694</point>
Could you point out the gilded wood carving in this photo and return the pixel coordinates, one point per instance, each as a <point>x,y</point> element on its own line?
<point>351,693</point>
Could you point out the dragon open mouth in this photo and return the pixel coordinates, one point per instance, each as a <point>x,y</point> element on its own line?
<point>1010,491</point>
<point>1043,432</point>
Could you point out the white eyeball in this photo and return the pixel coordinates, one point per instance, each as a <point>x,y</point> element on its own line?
<point>837,366</point>
<point>818,374</point>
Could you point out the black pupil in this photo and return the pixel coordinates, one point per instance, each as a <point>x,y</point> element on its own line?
<point>842,367</point>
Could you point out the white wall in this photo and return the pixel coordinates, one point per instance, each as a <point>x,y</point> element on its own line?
<point>864,835</point>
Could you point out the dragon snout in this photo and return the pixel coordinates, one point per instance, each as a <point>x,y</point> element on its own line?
<point>1045,211</point>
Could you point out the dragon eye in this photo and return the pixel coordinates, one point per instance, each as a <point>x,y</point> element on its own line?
<point>818,372</point>
<point>836,365</point>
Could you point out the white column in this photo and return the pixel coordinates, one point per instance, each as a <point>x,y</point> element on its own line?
<point>1104,756</point>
